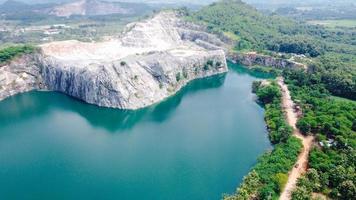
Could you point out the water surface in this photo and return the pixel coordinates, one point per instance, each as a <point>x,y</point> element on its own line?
<point>196,145</point>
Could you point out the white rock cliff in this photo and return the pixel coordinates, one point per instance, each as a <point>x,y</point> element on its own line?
<point>149,62</point>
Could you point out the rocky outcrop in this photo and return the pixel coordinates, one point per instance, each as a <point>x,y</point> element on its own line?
<point>139,81</point>
<point>20,75</point>
<point>252,58</point>
<point>150,61</point>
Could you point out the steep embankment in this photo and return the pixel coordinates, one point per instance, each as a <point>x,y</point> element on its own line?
<point>255,59</point>
<point>19,71</point>
<point>20,75</point>
<point>307,141</point>
<point>150,61</point>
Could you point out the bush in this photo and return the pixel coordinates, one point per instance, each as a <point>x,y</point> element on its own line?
<point>185,74</point>
<point>122,63</point>
<point>281,180</point>
<point>9,53</point>
<point>206,67</point>
<point>255,86</point>
<point>301,193</point>
<point>268,93</point>
<point>210,63</point>
<point>178,77</point>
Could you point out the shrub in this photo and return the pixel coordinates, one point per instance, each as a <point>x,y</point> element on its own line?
<point>9,53</point>
<point>210,63</point>
<point>281,180</point>
<point>185,74</point>
<point>206,67</point>
<point>268,93</point>
<point>301,193</point>
<point>178,77</point>
<point>123,63</point>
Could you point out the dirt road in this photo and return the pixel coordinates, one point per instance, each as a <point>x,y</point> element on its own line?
<point>302,162</point>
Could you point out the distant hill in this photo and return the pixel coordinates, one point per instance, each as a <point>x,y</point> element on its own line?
<point>255,31</point>
<point>12,6</point>
<point>97,7</point>
<point>17,10</point>
<point>21,11</point>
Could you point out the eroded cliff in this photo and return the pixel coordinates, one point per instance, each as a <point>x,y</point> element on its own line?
<point>253,58</point>
<point>20,75</point>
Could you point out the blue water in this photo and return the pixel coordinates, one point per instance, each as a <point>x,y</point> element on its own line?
<point>196,145</point>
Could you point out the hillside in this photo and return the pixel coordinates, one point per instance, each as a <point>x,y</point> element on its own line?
<point>96,7</point>
<point>13,9</point>
<point>254,31</point>
<point>331,57</point>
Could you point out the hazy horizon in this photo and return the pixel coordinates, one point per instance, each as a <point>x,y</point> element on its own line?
<point>202,2</point>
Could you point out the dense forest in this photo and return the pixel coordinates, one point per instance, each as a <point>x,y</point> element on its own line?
<point>331,60</point>
<point>333,121</point>
<point>332,53</point>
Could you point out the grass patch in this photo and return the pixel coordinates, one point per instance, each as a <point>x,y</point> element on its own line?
<point>348,23</point>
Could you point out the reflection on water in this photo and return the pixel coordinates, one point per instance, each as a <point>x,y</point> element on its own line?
<point>27,105</point>
<point>240,69</point>
<point>196,145</point>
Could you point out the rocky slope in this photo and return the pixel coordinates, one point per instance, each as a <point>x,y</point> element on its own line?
<point>20,75</point>
<point>252,58</point>
<point>149,62</point>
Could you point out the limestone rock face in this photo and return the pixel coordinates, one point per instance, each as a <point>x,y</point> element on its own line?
<point>150,61</point>
<point>20,75</point>
<point>252,58</point>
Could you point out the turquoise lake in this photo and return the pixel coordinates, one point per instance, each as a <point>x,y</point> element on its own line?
<point>196,145</point>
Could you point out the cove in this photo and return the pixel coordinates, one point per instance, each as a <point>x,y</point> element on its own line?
<point>196,145</point>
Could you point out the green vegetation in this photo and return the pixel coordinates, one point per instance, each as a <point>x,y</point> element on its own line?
<point>10,53</point>
<point>267,70</point>
<point>330,56</point>
<point>21,28</point>
<point>349,23</point>
<point>178,77</point>
<point>206,67</point>
<point>185,73</point>
<point>122,63</point>
<point>254,30</point>
<point>269,176</point>
<point>279,130</point>
<point>332,53</point>
<point>333,122</point>
<point>209,64</point>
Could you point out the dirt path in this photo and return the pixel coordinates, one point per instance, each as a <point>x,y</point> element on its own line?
<point>302,162</point>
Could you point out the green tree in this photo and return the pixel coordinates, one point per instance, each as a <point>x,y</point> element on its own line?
<point>301,193</point>
<point>347,190</point>
<point>266,94</point>
<point>281,180</point>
